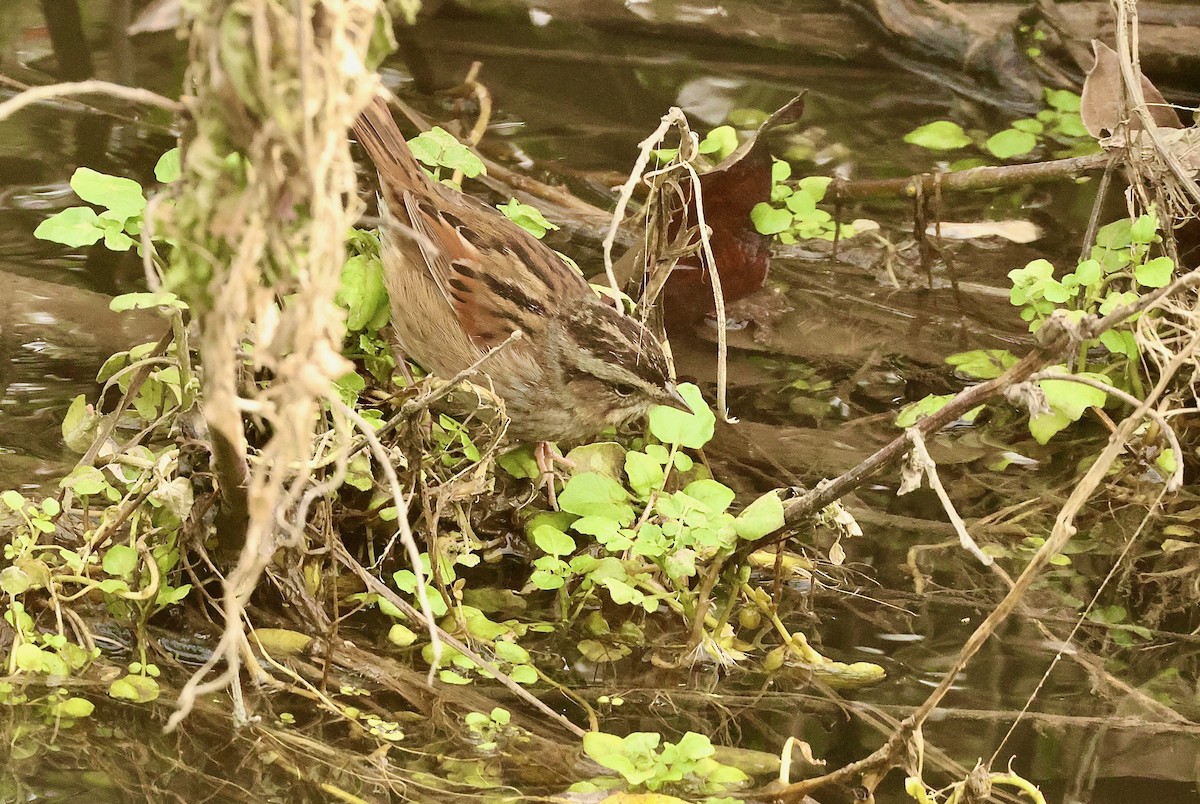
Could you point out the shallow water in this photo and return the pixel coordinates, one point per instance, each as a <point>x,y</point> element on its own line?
<point>578,100</point>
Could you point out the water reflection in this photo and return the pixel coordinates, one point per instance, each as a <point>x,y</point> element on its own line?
<point>815,385</point>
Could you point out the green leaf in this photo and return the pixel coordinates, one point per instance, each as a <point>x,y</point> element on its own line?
<point>30,658</point>
<point>1071,125</point>
<point>982,364</point>
<point>1063,100</point>
<point>681,564</point>
<point>553,541</point>
<point>511,652</point>
<point>51,507</point>
<point>721,142</point>
<point>913,412</point>
<point>600,653</point>
<point>438,148</point>
<point>135,688</point>
<point>1009,143</point>
<point>1088,272</point>
<point>524,674</point>
<point>528,217</point>
<point>763,516</point>
<point>781,171</point>
<point>363,294</point>
<point>168,167</point>
<point>692,430</point>
<point>650,541</point>
<point>594,494</point>
<point>768,220</point>
<point>358,472</point>
<point>120,195</point>
<point>605,457</point>
<point>170,595</point>
<point>519,462</point>
<point>14,581</point>
<point>451,677</point>
<point>714,496</point>
<point>114,238</point>
<point>120,560</point>
<point>1156,273</point>
<point>1115,235</point>
<point>622,593</point>
<point>940,135</point>
<point>349,386</point>
<point>801,204</point>
<point>480,627</point>
<point>546,580</point>
<point>644,472</point>
<point>1056,292</point>
<point>607,750</point>
<point>74,227</point>
<point>1121,342</point>
<point>815,186</point>
<point>85,480</point>
<point>1073,398</point>
<point>1114,300</point>
<point>604,530</point>
<point>13,500</point>
<point>74,708</point>
<point>694,746</point>
<point>145,301</point>
<point>1166,461</point>
<point>1029,124</point>
<point>1143,228</point>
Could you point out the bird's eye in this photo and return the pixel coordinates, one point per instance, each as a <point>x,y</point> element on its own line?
<point>624,389</point>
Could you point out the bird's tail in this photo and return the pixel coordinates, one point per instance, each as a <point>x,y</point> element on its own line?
<point>380,136</point>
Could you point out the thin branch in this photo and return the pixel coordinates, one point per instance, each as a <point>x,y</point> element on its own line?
<point>403,531</point>
<point>710,261</point>
<point>979,178</point>
<point>1064,528</point>
<point>674,117</point>
<point>1057,339</point>
<point>929,469</point>
<point>94,87</point>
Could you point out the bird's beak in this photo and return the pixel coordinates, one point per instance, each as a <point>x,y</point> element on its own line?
<point>673,399</point>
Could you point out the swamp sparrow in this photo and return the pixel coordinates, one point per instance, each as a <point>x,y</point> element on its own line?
<point>462,278</point>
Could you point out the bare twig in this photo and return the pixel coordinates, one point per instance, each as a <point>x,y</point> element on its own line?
<point>403,531</point>
<point>674,117</point>
<point>1057,340</point>
<point>927,466</point>
<point>979,178</point>
<point>710,262</point>
<point>93,87</point>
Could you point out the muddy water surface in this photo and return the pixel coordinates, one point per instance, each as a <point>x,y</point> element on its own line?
<point>831,353</point>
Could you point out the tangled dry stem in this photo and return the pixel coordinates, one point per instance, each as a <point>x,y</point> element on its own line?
<point>266,197</point>
<point>655,274</point>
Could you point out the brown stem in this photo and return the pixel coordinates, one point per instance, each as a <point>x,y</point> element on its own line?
<point>1056,341</point>
<point>971,179</point>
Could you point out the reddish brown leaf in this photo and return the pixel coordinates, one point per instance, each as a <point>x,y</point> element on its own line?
<point>743,256</point>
